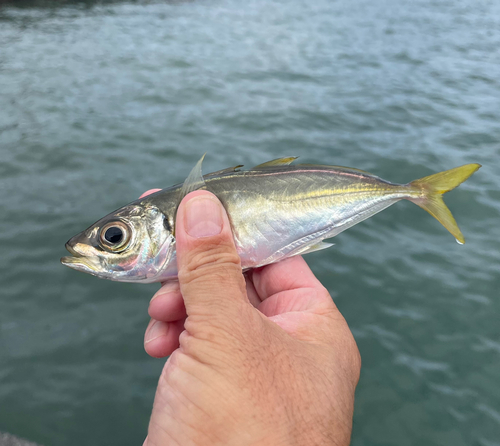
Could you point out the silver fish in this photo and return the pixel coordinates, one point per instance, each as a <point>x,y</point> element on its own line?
<point>277,210</point>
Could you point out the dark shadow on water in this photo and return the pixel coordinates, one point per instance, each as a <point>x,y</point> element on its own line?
<point>25,4</point>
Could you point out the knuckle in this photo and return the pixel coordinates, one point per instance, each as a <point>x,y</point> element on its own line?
<point>351,357</point>
<point>324,296</point>
<point>356,359</point>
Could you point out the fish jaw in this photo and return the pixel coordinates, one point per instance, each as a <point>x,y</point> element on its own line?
<point>81,262</point>
<point>90,265</point>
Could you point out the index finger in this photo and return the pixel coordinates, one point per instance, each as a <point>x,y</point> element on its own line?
<point>149,192</point>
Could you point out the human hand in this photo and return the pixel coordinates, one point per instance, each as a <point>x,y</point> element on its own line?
<point>266,361</point>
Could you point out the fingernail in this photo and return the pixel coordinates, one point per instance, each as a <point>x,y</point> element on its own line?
<point>157,330</point>
<point>203,217</point>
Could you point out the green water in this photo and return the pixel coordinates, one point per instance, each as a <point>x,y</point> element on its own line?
<point>102,101</point>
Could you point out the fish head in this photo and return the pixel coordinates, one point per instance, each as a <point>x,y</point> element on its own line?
<point>132,244</point>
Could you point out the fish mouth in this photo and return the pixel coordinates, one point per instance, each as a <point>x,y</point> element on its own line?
<point>72,251</point>
<point>79,262</point>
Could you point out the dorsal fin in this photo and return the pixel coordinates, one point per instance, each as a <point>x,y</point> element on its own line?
<point>223,171</point>
<point>277,162</point>
<point>194,181</point>
<point>344,169</point>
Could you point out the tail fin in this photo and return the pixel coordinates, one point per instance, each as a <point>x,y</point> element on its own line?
<point>434,186</point>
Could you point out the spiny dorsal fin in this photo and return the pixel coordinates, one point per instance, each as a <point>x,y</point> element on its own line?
<point>223,171</point>
<point>277,162</point>
<point>194,181</point>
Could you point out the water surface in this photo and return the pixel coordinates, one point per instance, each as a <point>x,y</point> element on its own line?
<point>101,101</point>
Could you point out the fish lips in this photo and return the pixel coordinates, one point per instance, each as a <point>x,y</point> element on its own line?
<point>79,260</point>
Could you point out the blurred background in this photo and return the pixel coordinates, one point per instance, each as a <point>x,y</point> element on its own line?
<point>100,101</point>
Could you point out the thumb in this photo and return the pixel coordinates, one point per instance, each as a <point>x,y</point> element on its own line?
<point>210,274</point>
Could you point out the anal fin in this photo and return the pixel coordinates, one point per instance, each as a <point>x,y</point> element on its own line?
<point>317,247</point>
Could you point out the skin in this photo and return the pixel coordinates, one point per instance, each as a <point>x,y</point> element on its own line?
<point>263,358</point>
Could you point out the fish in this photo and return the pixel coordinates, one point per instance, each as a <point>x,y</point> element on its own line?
<point>276,209</point>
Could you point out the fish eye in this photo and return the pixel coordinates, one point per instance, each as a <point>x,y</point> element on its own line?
<point>115,236</point>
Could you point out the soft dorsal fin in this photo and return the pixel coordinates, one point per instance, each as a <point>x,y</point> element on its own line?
<point>194,181</point>
<point>223,171</point>
<point>277,162</point>
<point>342,168</point>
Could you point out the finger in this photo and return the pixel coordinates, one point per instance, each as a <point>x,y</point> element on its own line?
<point>210,274</point>
<point>167,304</point>
<point>149,192</point>
<point>162,338</point>
<point>289,274</point>
<point>252,295</point>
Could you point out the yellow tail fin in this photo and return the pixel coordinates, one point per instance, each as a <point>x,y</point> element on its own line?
<point>434,186</point>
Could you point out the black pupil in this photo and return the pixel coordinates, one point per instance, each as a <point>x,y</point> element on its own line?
<point>113,235</point>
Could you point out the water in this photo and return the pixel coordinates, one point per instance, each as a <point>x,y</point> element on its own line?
<point>102,101</point>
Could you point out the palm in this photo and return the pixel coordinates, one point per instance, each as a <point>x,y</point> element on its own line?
<point>284,287</point>
<point>287,293</point>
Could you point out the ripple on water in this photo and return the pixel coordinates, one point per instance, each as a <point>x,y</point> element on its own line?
<point>101,102</point>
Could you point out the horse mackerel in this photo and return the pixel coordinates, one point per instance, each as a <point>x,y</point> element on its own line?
<point>276,209</point>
